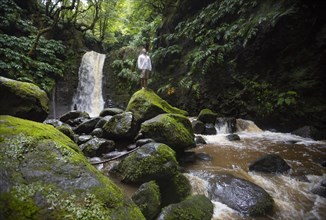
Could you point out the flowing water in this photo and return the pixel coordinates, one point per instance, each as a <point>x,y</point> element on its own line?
<point>292,196</point>
<point>89,92</point>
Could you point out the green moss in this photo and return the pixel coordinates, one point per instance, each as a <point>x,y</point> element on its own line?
<point>145,104</point>
<point>196,207</point>
<point>207,116</point>
<point>67,131</point>
<point>152,161</point>
<point>25,89</point>
<point>12,126</point>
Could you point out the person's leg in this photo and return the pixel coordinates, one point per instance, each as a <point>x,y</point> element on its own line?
<point>146,78</point>
<point>142,78</point>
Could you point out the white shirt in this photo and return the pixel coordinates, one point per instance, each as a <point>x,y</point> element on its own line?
<point>144,62</point>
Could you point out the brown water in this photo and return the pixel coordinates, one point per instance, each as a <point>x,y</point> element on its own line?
<point>293,199</point>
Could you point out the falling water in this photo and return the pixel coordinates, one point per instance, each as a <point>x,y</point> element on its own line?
<point>89,92</point>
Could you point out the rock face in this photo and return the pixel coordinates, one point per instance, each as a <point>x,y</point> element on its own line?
<point>145,104</point>
<point>148,199</point>
<point>270,163</point>
<point>153,161</point>
<point>45,176</point>
<point>196,207</point>
<point>241,195</point>
<point>170,129</point>
<point>23,100</point>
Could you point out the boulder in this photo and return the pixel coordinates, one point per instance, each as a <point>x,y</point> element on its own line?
<point>110,111</point>
<point>23,100</point>
<point>207,116</point>
<point>98,132</point>
<point>119,126</point>
<point>210,129</point>
<point>233,137</point>
<point>66,129</point>
<point>270,163</point>
<point>54,122</point>
<point>310,132</point>
<point>73,115</point>
<point>174,189</point>
<point>199,140</point>
<point>148,199</point>
<point>87,127</point>
<point>198,127</point>
<point>204,157</point>
<point>142,142</point>
<point>196,207</point>
<point>83,139</point>
<point>97,146</point>
<point>152,161</point>
<point>45,176</point>
<point>145,104</point>
<point>102,121</point>
<point>170,129</point>
<point>241,195</point>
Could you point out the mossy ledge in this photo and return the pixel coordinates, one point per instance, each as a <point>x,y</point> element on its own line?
<point>45,176</point>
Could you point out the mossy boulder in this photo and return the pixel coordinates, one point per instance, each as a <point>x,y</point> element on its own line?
<point>45,176</point>
<point>196,207</point>
<point>152,161</point>
<point>145,104</point>
<point>96,147</point>
<point>110,111</point>
<point>240,194</point>
<point>171,129</point>
<point>207,116</point>
<point>23,100</point>
<point>72,115</point>
<point>119,126</point>
<point>67,130</point>
<point>175,189</point>
<point>148,199</point>
<point>87,126</point>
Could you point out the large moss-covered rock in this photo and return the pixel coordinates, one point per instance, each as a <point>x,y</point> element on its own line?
<point>45,176</point>
<point>152,161</point>
<point>170,129</point>
<point>148,199</point>
<point>24,100</point>
<point>196,207</point>
<point>145,104</point>
<point>207,116</point>
<point>241,195</point>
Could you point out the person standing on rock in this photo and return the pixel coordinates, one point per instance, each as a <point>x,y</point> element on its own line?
<point>144,64</point>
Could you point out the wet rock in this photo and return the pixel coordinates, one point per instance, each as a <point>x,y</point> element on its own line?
<point>148,199</point>
<point>270,163</point>
<point>77,121</point>
<point>102,121</point>
<point>48,169</point>
<point>207,116</point>
<point>54,122</point>
<point>87,127</point>
<point>241,195</point>
<point>142,142</point>
<point>187,157</point>
<point>119,126</point>
<point>23,100</point>
<point>73,115</point>
<point>153,161</point>
<point>203,157</point>
<point>233,137</point>
<point>200,140</point>
<point>98,132</point>
<point>111,112</point>
<point>196,207</point>
<point>170,129</point>
<point>198,127</point>
<point>323,183</point>
<point>83,139</point>
<point>310,132</point>
<point>145,104</point>
<point>66,129</point>
<point>174,189</point>
<point>97,146</point>
<point>319,190</point>
<point>114,154</point>
<point>210,129</point>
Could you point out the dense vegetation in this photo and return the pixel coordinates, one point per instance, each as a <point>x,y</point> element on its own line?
<point>262,60</point>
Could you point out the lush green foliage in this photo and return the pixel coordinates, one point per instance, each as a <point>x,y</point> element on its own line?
<point>44,67</point>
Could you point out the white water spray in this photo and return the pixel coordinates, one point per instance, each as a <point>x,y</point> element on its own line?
<point>89,92</point>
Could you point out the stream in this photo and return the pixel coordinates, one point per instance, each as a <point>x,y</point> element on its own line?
<point>292,196</point>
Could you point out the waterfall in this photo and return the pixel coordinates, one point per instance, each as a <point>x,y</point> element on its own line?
<point>89,92</point>
<point>225,125</point>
